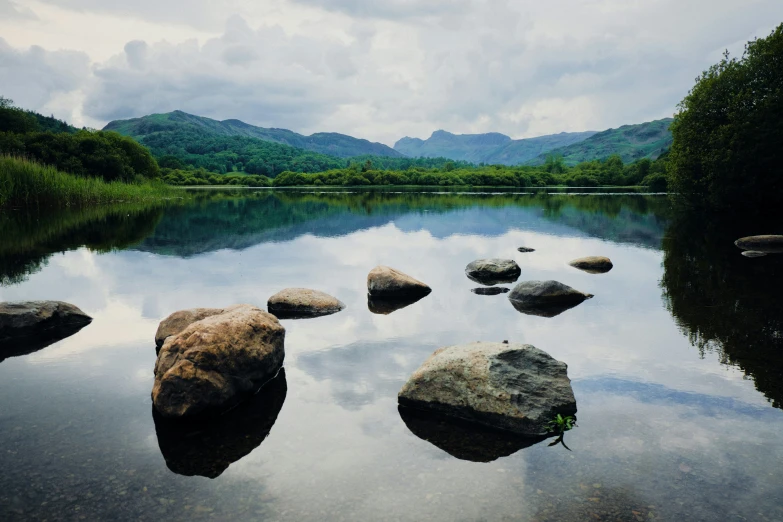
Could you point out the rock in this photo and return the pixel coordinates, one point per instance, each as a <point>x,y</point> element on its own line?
<point>215,362</point>
<point>593,264</point>
<point>462,439</point>
<point>383,281</point>
<point>387,305</point>
<point>545,298</point>
<point>513,387</point>
<point>495,290</point>
<point>753,253</point>
<point>769,244</point>
<point>493,271</point>
<point>180,320</point>
<point>300,303</point>
<point>525,250</point>
<point>29,326</point>
<point>207,448</point>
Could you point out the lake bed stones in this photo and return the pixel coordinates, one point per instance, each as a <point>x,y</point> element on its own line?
<point>507,386</point>
<point>384,281</point>
<point>215,362</point>
<point>300,303</point>
<point>593,264</point>
<point>490,272</point>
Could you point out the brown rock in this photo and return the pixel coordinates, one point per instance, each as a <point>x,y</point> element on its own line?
<point>386,281</point>
<point>297,303</point>
<point>180,320</point>
<point>593,264</point>
<point>213,363</point>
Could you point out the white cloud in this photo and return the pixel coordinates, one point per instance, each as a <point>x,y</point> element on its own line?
<point>381,70</point>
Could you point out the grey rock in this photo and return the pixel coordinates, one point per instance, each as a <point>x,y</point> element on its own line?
<point>769,244</point>
<point>300,303</point>
<point>216,362</point>
<point>545,298</point>
<point>384,281</point>
<point>29,326</point>
<point>513,387</point>
<point>593,264</point>
<point>180,320</point>
<point>493,271</point>
<point>753,253</point>
<point>493,290</point>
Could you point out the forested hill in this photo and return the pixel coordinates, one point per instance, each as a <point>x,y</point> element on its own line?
<point>630,142</point>
<point>178,123</point>
<point>490,148</point>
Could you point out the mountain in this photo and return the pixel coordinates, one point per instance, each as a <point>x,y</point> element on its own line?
<point>493,147</point>
<point>631,142</point>
<point>329,143</point>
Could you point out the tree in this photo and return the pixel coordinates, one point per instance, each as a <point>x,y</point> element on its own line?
<point>727,151</point>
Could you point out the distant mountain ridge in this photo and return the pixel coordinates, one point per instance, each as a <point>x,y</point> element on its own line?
<point>329,143</point>
<point>492,147</point>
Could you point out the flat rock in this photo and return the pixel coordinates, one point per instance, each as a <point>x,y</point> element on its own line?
<point>769,244</point>
<point>29,326</point>
<point>299,303</point>
<point>216,362</point>
<point>513,387</point>
<point>383,281</point>
<point>545,298</point>
<point>525,250</point>
<point>492,290</point>
<point>180,320</point>
<point>202,447</point>
<point>593,264</point>
<point>753,253</point>
<point>493,271</point>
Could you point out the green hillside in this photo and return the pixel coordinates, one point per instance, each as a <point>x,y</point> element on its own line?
<point>630,142</point>
<point>329,143</point>
<point>492,148</point>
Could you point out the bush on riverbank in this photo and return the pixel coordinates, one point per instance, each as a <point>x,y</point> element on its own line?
<point>27,183</point>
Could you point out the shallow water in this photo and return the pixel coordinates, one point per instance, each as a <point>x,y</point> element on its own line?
<point>676,362</point>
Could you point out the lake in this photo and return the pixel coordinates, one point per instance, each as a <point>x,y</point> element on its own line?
<point>676,363</point>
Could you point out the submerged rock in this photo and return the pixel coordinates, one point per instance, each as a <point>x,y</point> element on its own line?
<point>513,387</point>
<point>383,281</point>
<point>29,326</point>
<point>545,298</point>
<point>525,250</point>
<point>214,363</point>
<point>494,290</point>
<point>300,303</point>
<point>593,264</point>
<point>463,439</point>
<point>493,271</point>
<point>180,320</point>
<point>387,305</point>
<point>769,244</point>
<point>207,448</point>
<point>753,253</point>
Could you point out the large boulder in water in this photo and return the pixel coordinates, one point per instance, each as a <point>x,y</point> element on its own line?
<point>29,326</point>
<point>593,264</point>
<point>300,303</point>
<point>215,362</point>
<point>545,298</point>
<point>178,321</point>
<point>769,244</point>
<point>207,448</point>
<point>493,271</point>
<point>384,281</point>
<point>513,387</point>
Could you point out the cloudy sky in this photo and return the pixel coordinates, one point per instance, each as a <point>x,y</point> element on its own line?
<point>374,69</point>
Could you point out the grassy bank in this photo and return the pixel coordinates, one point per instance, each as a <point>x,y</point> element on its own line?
<point>25,183</point>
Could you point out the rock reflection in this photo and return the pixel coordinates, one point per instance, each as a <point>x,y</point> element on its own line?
<point>464,440</point>
<point>387,305</point>
<point>491,280</point>
<point>31,343</point>
<point>208,447</point>
<point>542,311</point>
<point>493,290</point>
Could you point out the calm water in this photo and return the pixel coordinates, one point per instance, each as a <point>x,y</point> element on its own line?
<point>676,363</point>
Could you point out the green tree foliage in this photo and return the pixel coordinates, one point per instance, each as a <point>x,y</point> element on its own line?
<point>728,134</point>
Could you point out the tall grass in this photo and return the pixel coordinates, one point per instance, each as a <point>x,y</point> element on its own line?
<point>25,183</point>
